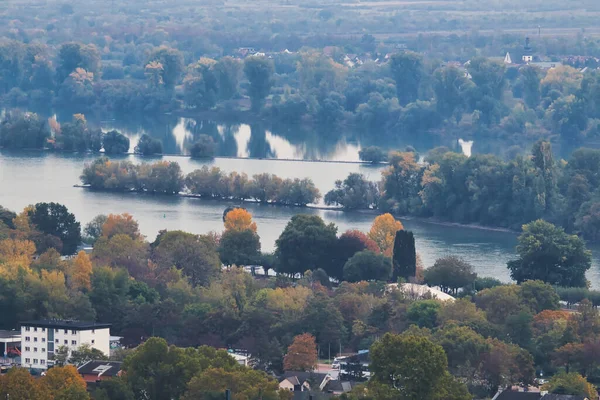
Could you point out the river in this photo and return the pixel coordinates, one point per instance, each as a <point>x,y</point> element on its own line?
<point>31,177</point>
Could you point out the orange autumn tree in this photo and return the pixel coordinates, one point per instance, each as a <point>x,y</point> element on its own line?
<point>301,354</point>
<point>19,384</point>
<point>81,270</point>
<point>64,381</point>
<point>117,224</point>
<point>383,231</point>
<point>239,220</point>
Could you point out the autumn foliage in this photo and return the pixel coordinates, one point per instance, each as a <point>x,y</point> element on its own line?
<point>239,220</point>
<point>383,231</point>
<point>58,383</point>
<point>81,271</point>
<point>117,224</point>
<point>301,354</point>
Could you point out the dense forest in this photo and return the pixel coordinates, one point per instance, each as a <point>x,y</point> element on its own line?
<point>382,87</point>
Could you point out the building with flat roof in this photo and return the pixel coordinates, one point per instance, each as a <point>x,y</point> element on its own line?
<point>99,370</point>
<point>41,338</point>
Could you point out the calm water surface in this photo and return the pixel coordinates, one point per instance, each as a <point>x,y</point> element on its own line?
<point>27,178</point>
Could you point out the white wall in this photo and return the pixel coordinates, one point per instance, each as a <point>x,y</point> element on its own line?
<point>73,338</point>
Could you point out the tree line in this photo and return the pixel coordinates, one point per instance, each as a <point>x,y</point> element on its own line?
<point>484,189</point>
<point>408,93</point>
<point>166,178</point>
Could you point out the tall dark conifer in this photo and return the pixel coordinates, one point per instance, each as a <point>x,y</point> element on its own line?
<point>405,255</point>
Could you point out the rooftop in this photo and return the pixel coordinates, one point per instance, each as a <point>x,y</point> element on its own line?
<point>9,334</point>
<point>100,368</point>
<point>65,324</point>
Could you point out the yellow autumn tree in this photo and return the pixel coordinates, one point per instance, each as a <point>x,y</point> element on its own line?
<point>383,231</point>
<point>22,223</point>
<point>15,254</point>
<point>81,270</point>
<point>239,220</point>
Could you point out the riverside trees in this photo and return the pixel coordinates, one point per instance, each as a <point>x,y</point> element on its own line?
<point>166,178</point>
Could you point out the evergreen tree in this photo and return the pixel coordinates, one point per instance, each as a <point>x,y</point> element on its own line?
<point>405,255</point>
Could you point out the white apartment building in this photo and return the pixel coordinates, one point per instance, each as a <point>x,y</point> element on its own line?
<point>39,339</point>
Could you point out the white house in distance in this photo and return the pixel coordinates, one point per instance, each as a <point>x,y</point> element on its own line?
<point>39,339</point>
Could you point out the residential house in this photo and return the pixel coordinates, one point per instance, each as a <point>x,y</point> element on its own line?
<point>300,381</point>
<point>41,338</point>
<point>99,370</point>
<point>339,387</point>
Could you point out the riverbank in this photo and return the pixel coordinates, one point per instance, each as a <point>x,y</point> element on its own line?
<point>373,212</point>
<point>187,156</point>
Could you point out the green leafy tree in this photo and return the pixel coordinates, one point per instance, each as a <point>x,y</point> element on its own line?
<point>372,154</point>
<point>195,255</point>
<point>93,229</point>
<point>259,71</point>
<point>450,86</point>
<point>571,383</point>
<point>114,389</point>
<point>538,296</point>
<point>405,255</point>
<point>303,233</point>
<point>355,192</point>
<point>464,348</point>
<point>412,365</point>
<point>115,143</point>
<point>159,371</point>
<point>148,146</point>
<point>367,266</point>
<point>243,383</point>
<point>239,247</point>
<point>424,313</point>
<point>531,77</point>
<point>407,70</point>
<point>548,254</point>
<point>56,220</point>
<point>172,64</point>
<point>450,273</point>
<point>85,353</point>
<point>204,147</point>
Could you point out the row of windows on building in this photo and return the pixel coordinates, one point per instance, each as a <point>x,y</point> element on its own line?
<point>35,361</point>
<point>35,349</point>
<point>66,331</point>
<point>73,342</point>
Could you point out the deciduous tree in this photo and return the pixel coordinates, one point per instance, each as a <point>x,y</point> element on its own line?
<point>383,231</point>
<point>55,219</point>
<point>239,219</point>
<point>366,266</point>
<point>81,270</point>
<point>19,384</point>
<point>259,71</point>
<point>305,244</point>
<point>547,253</point>
<point>450,274</point>
<point>301,354</point>
<point>571,383</point>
